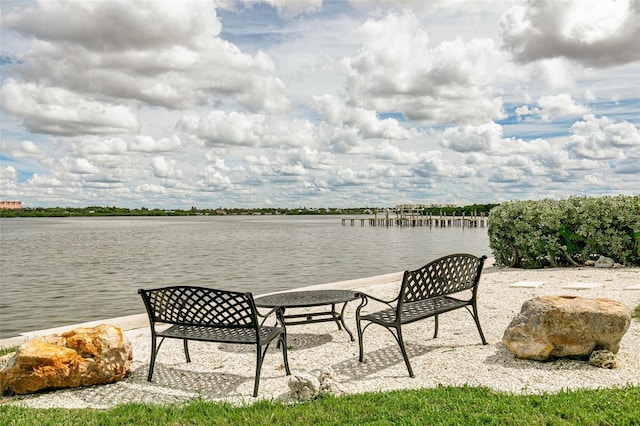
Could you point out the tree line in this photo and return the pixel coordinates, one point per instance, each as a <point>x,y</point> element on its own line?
<point>194,211</point>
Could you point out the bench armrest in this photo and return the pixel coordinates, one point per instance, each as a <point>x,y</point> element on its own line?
<point>279,314</point>
<point>365,300</point>
<point>366,296</point>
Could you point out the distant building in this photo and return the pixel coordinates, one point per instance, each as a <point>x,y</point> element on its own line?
<point>411,206</point>
<point>15,205</point>
<point>421,206</point>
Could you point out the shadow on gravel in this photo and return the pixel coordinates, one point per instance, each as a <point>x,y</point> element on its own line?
<point>378,360</point>
<point>295,341</point>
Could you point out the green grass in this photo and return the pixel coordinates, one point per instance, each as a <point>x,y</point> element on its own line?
<point>4,351</point>
<point>442,406</point>
<point>636,313</point>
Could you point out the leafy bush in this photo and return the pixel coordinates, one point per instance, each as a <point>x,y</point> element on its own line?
<point>537,234</point>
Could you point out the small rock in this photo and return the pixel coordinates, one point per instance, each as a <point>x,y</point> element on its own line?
<point>604,262</point>
<point>603,359</point>
<point>304,387</point>
<point>329,383</point>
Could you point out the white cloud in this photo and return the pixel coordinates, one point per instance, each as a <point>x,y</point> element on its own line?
<point>165,168</point>
<point>84,166</point>
<point>213,178</point>
<point>44,181</point>
<point>596,33</point>
<point>97,147</point>
<point>109,25</point>
<point>61,112</point>
<point>8,173</point>
<point>602,138</point>
<point>288,9</point>
<point>396,70</point>
<point>151,188</point>
<point>146,143</point>
<point>553,73</point>
<point>310,158</point>
<point>168,55</point>
<point>481,138</point>
<point>365,122</point>
<point>558,106</point>
<point>222,128</point>
<point>390,152</point>
<point>550,107</point>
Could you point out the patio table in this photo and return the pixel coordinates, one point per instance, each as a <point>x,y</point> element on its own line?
<point>311,298</point>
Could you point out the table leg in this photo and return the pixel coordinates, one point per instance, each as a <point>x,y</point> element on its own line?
<point>336,318</point>
<point>284,324</point>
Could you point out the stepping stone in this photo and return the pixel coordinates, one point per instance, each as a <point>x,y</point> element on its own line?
<point>582,286</point>
<point>527,284</point>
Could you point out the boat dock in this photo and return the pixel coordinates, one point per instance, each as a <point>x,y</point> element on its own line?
<point>410,220</point>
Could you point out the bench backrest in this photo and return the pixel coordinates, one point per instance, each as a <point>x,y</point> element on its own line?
<point>446,275</point>
<point>200,306</point>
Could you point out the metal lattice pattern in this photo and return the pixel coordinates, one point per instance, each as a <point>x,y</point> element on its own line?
<point>216,334</point>
<point>447,275</point>
<point>416,310</point>
<point>199,306</point>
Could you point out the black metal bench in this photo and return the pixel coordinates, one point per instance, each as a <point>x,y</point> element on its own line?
<point>424,293</point>
<point>205,314</point>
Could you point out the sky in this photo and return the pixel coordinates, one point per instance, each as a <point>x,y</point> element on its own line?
<point>317,103</point>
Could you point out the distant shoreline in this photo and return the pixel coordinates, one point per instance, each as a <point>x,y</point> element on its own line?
<point>98,211</point>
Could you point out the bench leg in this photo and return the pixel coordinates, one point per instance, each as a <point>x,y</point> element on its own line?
<point>259,359</point>
<point>152,361</point>
<point>361,349</point>
<point>435,333</point>
<point>282,341</point>
<point>404,352</point>
<point>397,335</point>
<point>359,329</point>
<point>186,350</point>
<point>477,320</point>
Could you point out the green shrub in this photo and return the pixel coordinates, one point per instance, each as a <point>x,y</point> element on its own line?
<point>538,234</point>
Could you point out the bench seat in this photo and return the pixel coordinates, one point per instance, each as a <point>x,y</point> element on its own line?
<point>415,311</point>
<point>217,334</point>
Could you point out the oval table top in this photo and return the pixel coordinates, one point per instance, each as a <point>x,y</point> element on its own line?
<point>301,299</point>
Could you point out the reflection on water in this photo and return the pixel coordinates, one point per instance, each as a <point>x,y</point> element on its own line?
<point>58,271</point>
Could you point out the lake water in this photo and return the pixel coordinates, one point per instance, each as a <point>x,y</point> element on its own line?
<point>60,271</point>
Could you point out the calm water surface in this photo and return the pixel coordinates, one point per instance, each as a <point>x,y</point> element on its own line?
<point>59,271</point>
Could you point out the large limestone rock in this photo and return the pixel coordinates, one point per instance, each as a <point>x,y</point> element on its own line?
<point>80,357</point>
<point>566,326</point>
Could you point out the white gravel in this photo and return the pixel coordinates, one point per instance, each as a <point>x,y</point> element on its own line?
<point>456,357</point>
